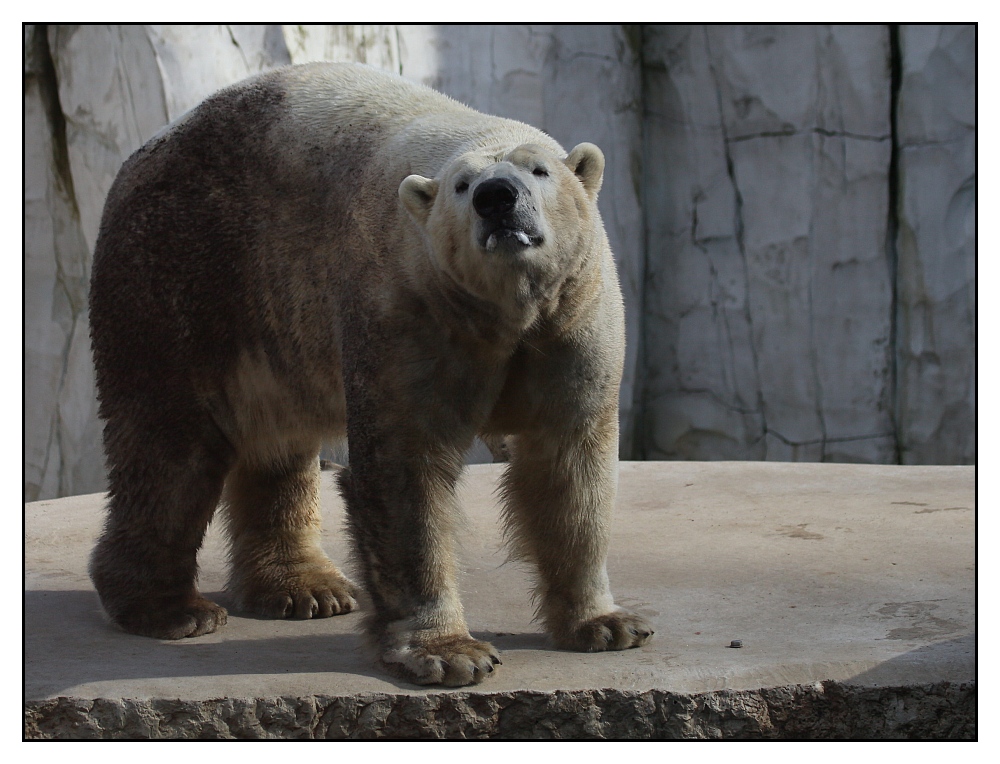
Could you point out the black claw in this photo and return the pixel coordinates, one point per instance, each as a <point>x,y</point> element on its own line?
<point>496,660</point>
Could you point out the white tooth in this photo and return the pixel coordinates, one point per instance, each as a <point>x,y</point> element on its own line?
<point>523,238</point>
<point>491,243</point>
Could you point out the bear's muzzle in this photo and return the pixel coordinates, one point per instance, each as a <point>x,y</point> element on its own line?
<point>495,197</point>
<point>500,203</point>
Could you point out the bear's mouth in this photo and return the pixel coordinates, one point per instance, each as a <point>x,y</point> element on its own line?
<point>505,237</point>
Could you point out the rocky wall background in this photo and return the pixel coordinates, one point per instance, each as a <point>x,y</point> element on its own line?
<point>792,210</point>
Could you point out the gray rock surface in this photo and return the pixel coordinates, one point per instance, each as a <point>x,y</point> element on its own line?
<point>797,265</point>
<point>769,292</point>
<point>822,711</point>
<point>936,243</point>
<point>61,432</point>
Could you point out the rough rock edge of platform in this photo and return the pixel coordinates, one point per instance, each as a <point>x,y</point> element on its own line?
<point>827,710</point>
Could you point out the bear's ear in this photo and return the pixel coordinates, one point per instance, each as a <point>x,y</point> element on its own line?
<point>417,195</point>
<point>587,163</point>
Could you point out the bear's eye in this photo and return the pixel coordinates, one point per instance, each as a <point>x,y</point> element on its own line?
<point>541,172</point>
<point>462,187</point>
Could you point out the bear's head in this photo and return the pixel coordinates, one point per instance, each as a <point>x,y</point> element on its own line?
<point>510,225</point>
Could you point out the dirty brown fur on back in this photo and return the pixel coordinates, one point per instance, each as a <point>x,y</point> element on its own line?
<point>326,251</point>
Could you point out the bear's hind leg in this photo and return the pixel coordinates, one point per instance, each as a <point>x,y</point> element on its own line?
<point>161,498</point>
<point>279,569</point>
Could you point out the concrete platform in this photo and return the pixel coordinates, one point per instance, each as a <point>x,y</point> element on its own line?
<point>851,588</point>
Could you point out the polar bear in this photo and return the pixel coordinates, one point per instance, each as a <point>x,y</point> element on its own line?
<point>325,251</point>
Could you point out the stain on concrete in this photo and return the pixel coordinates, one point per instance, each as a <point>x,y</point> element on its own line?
<point>923,624</point>
<point>799,532</point>
<point>940,509</point>
<point>637,606</point>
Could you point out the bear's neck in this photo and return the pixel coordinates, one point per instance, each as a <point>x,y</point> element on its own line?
<point>497,327</point>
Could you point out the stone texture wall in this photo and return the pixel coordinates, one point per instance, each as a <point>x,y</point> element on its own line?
<point>769,294</point>
<point>791,208</point>
<point>936,243</point>
<point>822,711</point>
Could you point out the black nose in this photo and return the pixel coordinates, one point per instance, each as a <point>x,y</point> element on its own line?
<point>494,197</point>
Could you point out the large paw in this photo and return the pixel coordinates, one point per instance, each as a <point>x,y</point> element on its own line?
<point>612,631</point>
<point>192,618</point>
<point>280,591</point>
<point>451,661</point>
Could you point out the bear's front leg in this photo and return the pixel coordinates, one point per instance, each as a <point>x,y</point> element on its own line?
<point>560,491</point>
<point>401,515</point>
